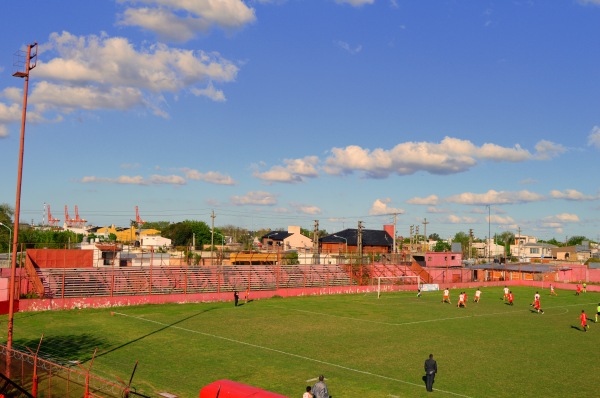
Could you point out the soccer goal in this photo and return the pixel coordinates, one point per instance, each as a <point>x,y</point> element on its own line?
<point>388,283</point>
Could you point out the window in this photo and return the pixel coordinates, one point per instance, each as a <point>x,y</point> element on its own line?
<point>534,250</point>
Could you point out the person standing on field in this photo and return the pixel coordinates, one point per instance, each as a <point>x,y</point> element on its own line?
<point>236,297</point>
<point>430,371</point>
<point>511,297</point>
<point>552,292</point>
<point>583,318</point>
<point>477,295</point>
<point>319,390</point>
<point>505,293</point>
<point>446,298</point>
<point>597,312</point>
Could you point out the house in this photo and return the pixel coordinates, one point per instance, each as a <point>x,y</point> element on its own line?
<point>346,241</point>
<point>290,240</point>
<point>527,248</point>
<point>580,253</point>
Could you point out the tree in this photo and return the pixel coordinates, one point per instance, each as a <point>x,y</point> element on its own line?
<point>6,214</point>
<point>506,239</point>
<point>441,246</point>
<point>183,233</point>
<point>464,239</point>
<point>576,240</point>
<point>435,236</point>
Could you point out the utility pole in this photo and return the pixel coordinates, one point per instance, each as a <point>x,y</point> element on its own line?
<point>394,244</point>
<point>316,254</point>
<point>359,241</point>
<point>425,240</point>
<point>416,237</point>
<point>212,235</point>
<point>470,242</point>
<point>489,233</point>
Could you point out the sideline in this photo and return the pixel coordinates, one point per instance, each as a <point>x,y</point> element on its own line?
<point>287,353</point>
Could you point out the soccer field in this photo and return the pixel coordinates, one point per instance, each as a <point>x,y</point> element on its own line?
<point>364,346</point>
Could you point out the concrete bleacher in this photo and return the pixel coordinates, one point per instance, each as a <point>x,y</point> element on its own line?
<point>144,280</point>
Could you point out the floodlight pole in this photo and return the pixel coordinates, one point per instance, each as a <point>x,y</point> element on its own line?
<point>31,54</point>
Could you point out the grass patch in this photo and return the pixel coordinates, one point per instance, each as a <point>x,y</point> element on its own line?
<point>364,346</point>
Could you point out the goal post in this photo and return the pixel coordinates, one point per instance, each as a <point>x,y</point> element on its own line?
<point>404,280</point>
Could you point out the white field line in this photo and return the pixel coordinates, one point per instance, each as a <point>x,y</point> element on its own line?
<point>286,353</point>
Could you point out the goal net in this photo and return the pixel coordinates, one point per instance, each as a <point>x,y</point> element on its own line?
<point>394,283</point>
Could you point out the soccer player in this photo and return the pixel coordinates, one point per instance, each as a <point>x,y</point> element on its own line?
<point>505,293</point>
<point>578,290</point>
<point>510,297</point>
<point>477,295</point>
<point>552,292</point>
<point>584,287</point>
<point>583,318</point>
<point>537,306</point>
<point>461,300</point>
<point>536,297</point>
<point>419,292</point>
<point>446,298</point>
<point>597,312</point>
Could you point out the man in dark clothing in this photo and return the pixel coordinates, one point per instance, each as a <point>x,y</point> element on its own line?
<point>319,390</point>
<point>236,297</point>
<point>430,371</point>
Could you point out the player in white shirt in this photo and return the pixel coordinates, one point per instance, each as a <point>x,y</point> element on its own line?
<point>506,290</point>
<point>446,298</point>
<point>477,295</point>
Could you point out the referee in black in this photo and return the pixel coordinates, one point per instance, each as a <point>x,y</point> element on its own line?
<point>430,371</point>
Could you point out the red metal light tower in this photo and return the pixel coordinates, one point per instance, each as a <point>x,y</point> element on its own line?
<point>26,67</point>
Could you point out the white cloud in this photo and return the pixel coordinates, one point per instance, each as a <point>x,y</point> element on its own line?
<point>306,209</point>
<point>591,2</point>
<point>570,194</point>
<point>345,46</point>
<point>437,210</point>
<point>355,3</point>
<point>294,171</point>
<point>259,198</point>
<point>594,136</point>
<point>429,200</point>
<point>3,131</point>
<point>136,180</point>
<point>98,72</point>
<point>450,156</point>
<point>547,150</point>
<point>562,218</point>
<point>495,219</point>
<point>493,197</point>
<point>213,177</point>
<point>380,207</point>
<point>453,219</point>
<point>181,20</point>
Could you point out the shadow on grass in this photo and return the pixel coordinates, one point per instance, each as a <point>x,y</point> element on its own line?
<point>65,349</point>
<point>152,333</point>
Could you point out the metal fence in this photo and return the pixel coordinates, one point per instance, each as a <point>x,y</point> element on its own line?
<point>42,378</point>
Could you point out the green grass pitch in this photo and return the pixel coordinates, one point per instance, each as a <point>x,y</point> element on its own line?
<point>364,346</point>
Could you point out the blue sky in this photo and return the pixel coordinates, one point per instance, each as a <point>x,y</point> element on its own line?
<point>277,113</point>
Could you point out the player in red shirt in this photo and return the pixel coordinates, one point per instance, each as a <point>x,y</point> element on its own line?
<point>578,290</point>
<point>510,297</point>
<point>583,318</point>
<point>537,306</point>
